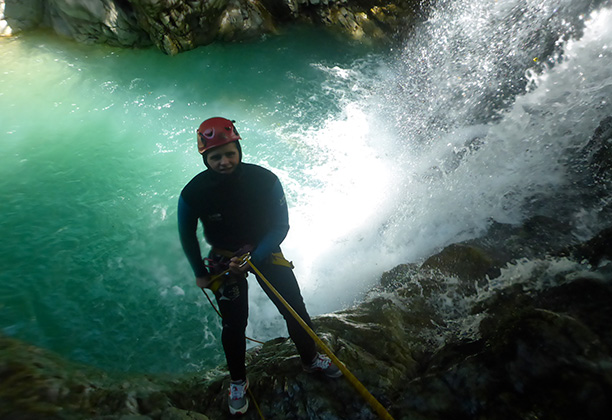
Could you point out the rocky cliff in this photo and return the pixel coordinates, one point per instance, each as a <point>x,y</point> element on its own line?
<point>180,25</point>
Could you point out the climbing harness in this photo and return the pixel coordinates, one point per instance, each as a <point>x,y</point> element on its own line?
<point>276,258</point>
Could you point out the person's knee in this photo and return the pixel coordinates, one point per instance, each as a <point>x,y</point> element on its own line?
<point>235,326</point>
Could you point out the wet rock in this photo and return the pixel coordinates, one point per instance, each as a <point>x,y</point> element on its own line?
<point>398,275</point>
<point>599,151</point>
<point>101,21</point>
<point>17,16</point>
<point>468,262</point>
<point>540,362</point>
<point>177,414</point>
<point>596,250</point>
<point>536,237</point>
<point>179,25</point>
<point>585,300</point>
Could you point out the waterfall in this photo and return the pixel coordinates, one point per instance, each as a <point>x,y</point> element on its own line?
<point>475,119</point>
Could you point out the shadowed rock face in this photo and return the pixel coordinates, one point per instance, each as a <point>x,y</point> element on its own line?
<point>179,25</point>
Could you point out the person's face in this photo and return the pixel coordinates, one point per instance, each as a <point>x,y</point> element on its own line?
<point>223,159</point>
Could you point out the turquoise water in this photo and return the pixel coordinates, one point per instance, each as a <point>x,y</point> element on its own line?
<point>97,143</point>
<point>386,155</point>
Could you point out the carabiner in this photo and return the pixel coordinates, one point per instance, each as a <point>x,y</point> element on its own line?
<point>245,259</point>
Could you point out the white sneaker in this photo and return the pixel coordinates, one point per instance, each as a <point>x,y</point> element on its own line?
<point>237,399</point>
<point>322,363</point>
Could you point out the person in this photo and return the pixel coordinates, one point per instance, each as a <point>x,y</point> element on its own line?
<point>242,209</point>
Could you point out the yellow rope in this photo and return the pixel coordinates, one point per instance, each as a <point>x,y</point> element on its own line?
<point>380,410</point>
<point>255,402</point>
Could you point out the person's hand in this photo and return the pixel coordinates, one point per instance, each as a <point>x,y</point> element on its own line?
<point>203,282</point>
<point>238,266</point>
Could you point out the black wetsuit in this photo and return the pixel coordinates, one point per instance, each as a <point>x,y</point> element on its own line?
<point>244,209</point>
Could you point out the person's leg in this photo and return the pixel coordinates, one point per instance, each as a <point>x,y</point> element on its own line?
<point>233,303</point>
<point>284,281</point>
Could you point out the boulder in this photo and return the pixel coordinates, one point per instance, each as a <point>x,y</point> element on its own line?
<point>20,15</point>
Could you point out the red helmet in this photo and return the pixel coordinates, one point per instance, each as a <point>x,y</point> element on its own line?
<point>216,132</point>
